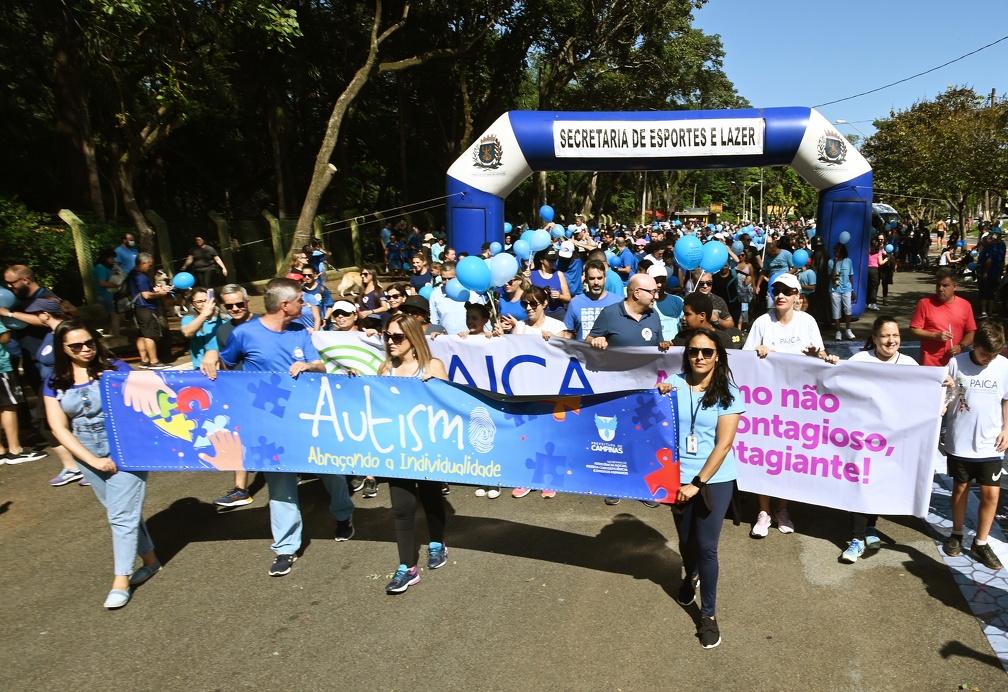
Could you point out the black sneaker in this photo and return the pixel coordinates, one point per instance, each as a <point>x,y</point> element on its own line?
<point>687,592</point>
<point>282,565</point>
<point>445,489</point>
<point>370,487</point>
<point>953,546</point>
<point>436,557</point>
<point>355,483</point>
<point>650,504</point>
<point>710,635</point>
<point>612,501</point>
<point>24,456</point>
<point>344,530</point>
<point>985,554</point>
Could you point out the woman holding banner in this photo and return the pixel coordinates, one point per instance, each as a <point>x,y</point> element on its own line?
<point>709,407</point>
<point>785,330</point>
<point>882,347</point>
<point>73,406</point>
<point>407,355</point>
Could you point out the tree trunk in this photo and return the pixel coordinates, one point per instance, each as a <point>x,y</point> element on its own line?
<point>273,123</point>
<point>125,172</point>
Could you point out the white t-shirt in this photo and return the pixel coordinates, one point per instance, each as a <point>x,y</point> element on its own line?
<point>975,408</point>
<point>793,337</point>
<point>550,324</point>
<point>871,357</point>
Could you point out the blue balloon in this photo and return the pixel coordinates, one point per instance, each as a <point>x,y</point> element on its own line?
<point>714,257</point>
<point>507,227</point>
<point>672,282</point>
<point>569,233</point>
<point>557,232</point>
<point>615,261</point>
<point>961,243</point>
<point>759,232</point>
<point>527,236</point>
<point>799,259</point>
<point>495,248</point>
<point>473,273</point>
<point>688,252</point>
<point>183,280</point>
<point>889,248</point>
<point>974,254</point>
<point>503,268</point>
<point>971,266</point>
<point>425,292</point>
<point>6,298</point>
<point>718,228</point>
<point>540,240</point>
<point>12,323</point>
<point>737,247</point>
<point>844,238</point>
<point>456,291</point>
<point>522,249</point>
<point>546,212</point>
<point>571,227</point>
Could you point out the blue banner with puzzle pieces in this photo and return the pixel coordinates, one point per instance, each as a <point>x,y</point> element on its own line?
<point>620,444</point>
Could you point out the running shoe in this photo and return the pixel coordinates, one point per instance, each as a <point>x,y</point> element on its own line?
<point>650,504</point>
<point>548,494</point>
<point>853,552</point>
<point>83,482</point>
<point>493,493</point>
<point>436,557</point>
<point>282,565</point>
<point>480,492</point>
<point>344,530</point>
<point>850,335</point>
<point>612,501</point>
<point>953,546</point>
<point>356,483</point>
<point>762,526</point>
<point>24,456</point>
<point>65,477</point>
<point>839,336</point>
<point>687,592</point>
<point>234,498</point>
<point>783,521</point>
<point>445,489</point>
<point>403,579</point>
<point>520,492</point>
<point>872,541</point>
<point>370,488</point>
<point>985,555</point>
<point>710,635</point>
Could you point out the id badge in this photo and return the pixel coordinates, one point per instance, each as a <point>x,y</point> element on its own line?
<point>692,444</point>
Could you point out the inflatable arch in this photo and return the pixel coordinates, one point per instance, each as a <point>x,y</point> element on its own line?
<point>520,142</point>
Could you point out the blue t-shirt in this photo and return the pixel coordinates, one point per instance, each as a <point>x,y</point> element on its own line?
<point>621,329</point>
<point>5,361</point>
<point>138,283</point>
<point>418,281</point>
<point>101,273</point>
<point>670,308</point>
<point>321,298</point>
<point>778,264</point>
<point>807,277</point>
<point>126,257</point>
<point>264,350</point>
<point>629,260</point>
<point>205,339</point>
<point>705,428</point>
<point>583,311</point>
<point>571,268</point>
<point>613,283</point>
<point>45,358</point>
<point>386,236</point>
<point>512,308</point>
<point>844,272</point>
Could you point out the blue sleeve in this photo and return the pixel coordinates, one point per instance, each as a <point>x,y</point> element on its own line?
<point>311,353</point>
<point>231,354</point>
<point>737,404</point>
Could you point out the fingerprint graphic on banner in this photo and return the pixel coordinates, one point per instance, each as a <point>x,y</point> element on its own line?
<point>481,430</point>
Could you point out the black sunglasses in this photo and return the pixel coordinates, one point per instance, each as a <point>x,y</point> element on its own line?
<point>342,313</point>
<point>396,338</point>
<point>781,289</point>
<point>81,345</point>
<point>390,296</point>
<point>702,284</point>
<point>695,351</point>
<point>530,304</point>
<point>235,306</point>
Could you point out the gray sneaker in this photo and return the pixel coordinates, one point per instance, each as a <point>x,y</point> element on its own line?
<point>985,555</point>
<point>953,546</point>
<point>370,487</point>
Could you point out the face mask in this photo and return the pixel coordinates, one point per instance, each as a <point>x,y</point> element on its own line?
<point>131,243</point>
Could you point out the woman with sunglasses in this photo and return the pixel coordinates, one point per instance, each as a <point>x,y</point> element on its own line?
<point>709,407</point>
<point>511,295</point>
<point>371,303</point>
<point>407,355</point>
<point>534,301</point>
<point>786,330</point>
<point>545,275</point>
<point>395,295</point>
<point>73,406</point>
<point>200,325</point>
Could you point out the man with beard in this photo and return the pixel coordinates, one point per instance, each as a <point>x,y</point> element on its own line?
<point>584,308</point>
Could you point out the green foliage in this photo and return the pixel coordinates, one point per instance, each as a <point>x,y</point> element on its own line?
<point>31,238</point>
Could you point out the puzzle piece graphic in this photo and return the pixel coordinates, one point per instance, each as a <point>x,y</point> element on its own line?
<point>171,421</point>
<point>209,428</point>
<point>564,404</point>
<point>647,414</point>
<point>519,419</point>
<point>665,478</point>
<point>270,397</point>
<point>265,454</point>
<point>549,469</point>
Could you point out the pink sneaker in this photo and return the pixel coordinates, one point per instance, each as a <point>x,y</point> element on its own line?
<point>783,520</point>
<point>547,494</point>
<point>520,492</point>
<point>762,526</point>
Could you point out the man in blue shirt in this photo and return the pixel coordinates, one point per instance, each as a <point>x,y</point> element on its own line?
<point>144,295</point>
<point>584,308</point>
<point>126,253</point>
<point>571,266</point>
<point>276,343</point>
<point>629,267</point>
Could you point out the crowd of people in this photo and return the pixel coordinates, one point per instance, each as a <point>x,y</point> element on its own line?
<point>610,288</point>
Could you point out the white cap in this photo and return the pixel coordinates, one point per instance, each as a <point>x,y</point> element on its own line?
<point>789,280</point>
<point>344,306</point>
<point>658,271</point>
<point>566,249</point>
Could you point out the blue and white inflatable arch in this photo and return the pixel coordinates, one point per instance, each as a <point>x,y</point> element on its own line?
<point>521,142</point>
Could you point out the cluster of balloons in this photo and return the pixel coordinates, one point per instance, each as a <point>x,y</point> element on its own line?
<point>690,253</point>
<point>480,275</point>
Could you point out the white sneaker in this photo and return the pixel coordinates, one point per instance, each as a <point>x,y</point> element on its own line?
<point>850,335</point>
<point>783,519</point>
<point>762,526</point>
<point>839,336</point>
<point>480,492</point>
<point>493,493</point>
<point>873,306</point>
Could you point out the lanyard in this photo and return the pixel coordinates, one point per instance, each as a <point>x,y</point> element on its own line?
<point>693,411</point>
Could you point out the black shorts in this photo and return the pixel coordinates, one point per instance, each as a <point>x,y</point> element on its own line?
<point>983,471</point>
<point>148,323</point>
<point>11,395</point>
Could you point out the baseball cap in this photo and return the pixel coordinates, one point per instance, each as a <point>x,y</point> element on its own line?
<point>417,303</point>
<point>344,306</point>
<point>566,249</point>
<point>658,272</point>
<point>789,280</point>
<point>640,242</point>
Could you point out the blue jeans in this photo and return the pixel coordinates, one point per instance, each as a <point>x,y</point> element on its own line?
<point>699,530</point>
<point>285,509</point>
<point>122,495</point>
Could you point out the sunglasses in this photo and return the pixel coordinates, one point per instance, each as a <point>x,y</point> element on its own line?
<point>695,351</point>
<point>81,345</point>
<point>530,304</point>
<point>235,306</point>
<point>785,290</point>
<point>341,313</point>
<point>391,296</point>
<point>704,284</point>
<point>308,277</point>
<point>365,273</point>
<point>395,338</point>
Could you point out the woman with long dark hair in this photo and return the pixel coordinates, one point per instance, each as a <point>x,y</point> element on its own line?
<point>371,303</point>
<point>407,355</point>
<point>73,406</point>
<point>709,407</point>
